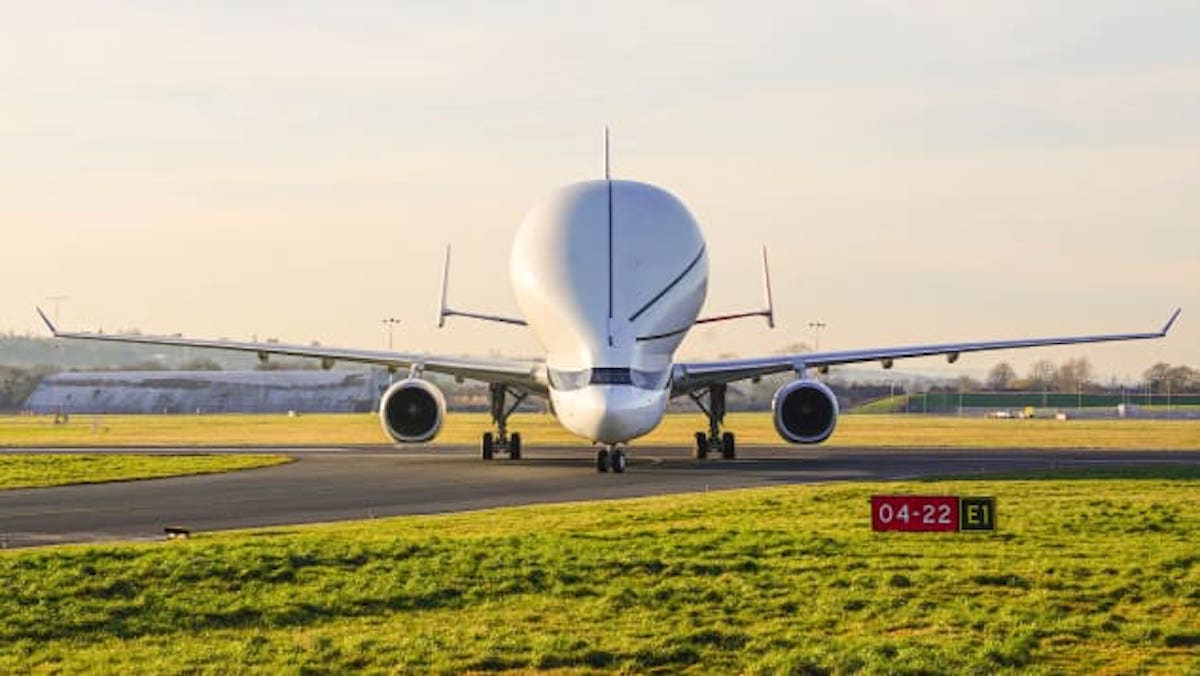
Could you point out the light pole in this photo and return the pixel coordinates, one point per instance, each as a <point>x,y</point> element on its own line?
<point>57,300</point>
<point>816,327</point>
<point>389,324</point>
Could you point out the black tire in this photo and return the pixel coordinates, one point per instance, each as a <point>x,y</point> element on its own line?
<point>489,445</point>
<point>700,452</point>
<point>728,451</point>
<point>602,460</point>
<point>514,446</point>
<point>618,461</point>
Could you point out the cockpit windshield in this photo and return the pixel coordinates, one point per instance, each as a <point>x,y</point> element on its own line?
<point>611,376</point>
<point>574,380</point>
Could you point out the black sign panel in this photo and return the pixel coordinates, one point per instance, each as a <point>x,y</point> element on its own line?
<point>977,514</point>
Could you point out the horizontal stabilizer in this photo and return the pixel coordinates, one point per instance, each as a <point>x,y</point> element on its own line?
<point>768,311</point>
<point>445,310</point>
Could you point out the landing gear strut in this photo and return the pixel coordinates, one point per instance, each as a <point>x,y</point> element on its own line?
<point>501,441</point>
<point>714,441</point>
<point>611,458</point>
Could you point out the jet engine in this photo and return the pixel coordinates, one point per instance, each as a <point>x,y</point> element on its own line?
<point>412,411</point>
<point>805,411</point>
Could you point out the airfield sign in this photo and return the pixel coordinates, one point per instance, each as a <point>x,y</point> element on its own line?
<point>932,513</point>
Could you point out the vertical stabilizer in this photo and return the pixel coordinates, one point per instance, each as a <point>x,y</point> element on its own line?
<point>608,179</point>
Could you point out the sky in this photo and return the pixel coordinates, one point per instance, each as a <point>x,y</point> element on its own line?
<point>920,172</point>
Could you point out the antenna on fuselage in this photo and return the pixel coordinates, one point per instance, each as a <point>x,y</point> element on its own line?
<point>607,169</point>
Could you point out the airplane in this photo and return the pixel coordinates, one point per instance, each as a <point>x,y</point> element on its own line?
<point>610,276</point>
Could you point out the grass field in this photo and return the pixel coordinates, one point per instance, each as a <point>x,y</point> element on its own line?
<point>677,430</point>
<point>31,471</point>
<point>1088,574</point>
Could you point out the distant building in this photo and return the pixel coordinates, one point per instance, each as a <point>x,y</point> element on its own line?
<point>208,392</point>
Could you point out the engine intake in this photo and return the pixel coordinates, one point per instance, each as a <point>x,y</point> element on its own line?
<point>805,411</point>
<point>412,411</point>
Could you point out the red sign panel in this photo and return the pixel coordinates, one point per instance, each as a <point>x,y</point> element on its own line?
<point>914,512</point>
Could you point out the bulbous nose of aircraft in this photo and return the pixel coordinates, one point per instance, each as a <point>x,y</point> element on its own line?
<point>610,414</point>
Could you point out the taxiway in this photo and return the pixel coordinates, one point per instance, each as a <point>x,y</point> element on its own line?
<point>333,484</point>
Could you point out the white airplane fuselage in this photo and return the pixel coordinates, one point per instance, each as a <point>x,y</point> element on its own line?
<point>610,276</point>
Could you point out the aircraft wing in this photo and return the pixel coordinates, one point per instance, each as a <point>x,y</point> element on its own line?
<point>691,376</point>
<point>528,375</point>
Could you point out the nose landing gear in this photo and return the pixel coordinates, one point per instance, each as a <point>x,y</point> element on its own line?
<point>611,458</point>
<point>714,441</point>
<point>501,441</point>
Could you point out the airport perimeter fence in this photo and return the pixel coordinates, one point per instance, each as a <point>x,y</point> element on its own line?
<point>1127,404</point>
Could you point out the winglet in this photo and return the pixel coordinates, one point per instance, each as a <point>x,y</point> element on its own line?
<point>442,309</point>
<point>49,324</point>
<point>1167,327</point>
<point>770,313</point>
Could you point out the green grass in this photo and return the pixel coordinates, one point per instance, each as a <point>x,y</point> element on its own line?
<point>540,430</point>
<point>1087,574</point>
<point>30,471</point>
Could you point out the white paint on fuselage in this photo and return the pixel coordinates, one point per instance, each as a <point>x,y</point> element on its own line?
<point>589,269</point>
<point>609,414</point>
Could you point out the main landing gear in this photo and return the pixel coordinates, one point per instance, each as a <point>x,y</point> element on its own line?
<point>715,441</point>
<point>611,457</point>
<point>501,441</point>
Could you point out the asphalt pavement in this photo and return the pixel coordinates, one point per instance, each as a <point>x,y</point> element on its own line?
<point>338,483</point>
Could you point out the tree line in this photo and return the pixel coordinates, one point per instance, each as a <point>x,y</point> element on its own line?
<point>1076,375</point>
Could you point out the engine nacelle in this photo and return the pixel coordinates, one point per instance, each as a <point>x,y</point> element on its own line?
<point>412,411</point>
<point>806,411</point>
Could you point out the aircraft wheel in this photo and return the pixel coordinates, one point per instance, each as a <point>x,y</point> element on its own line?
<point>727,446</point>
<point>489,445</point>
<point>618,460</point>
<point>514,446</point>
<point>602,460</point>
<point>700,452</point>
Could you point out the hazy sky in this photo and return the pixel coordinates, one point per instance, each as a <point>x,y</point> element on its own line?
<point>919,171</point>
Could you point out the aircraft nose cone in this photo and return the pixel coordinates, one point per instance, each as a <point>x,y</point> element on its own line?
<point>626,413</point>
<point>616,424</point>
<point>612,414</point>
